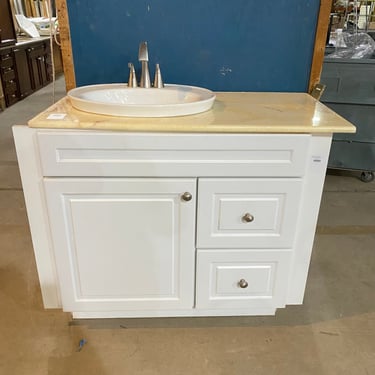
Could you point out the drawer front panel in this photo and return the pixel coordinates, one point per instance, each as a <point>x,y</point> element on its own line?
<point>187,155</point>
<point>241,278</point>
<point>10,84</point>
<point>7,61</point>
<point>10,87</point>
<point>8,74</point>
<point>247,213</point>
<point>5,54</point>
<point>36,51</point>
<point>10,98</point>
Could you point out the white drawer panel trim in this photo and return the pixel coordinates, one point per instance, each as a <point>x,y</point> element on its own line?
<point>270,204</point>
<point>265,210</point>
<point>134,154</point>
<point>228,275</point>
<point>219,275</point>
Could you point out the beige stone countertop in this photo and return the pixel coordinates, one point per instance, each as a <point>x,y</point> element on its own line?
<point>232,112</point>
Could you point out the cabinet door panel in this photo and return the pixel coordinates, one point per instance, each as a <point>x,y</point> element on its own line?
<point>23,72</point>
<point>37,56</point>
<point>123,244</point>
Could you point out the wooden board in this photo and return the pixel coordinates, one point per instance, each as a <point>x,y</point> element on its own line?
<point>66,45</point>
<point>320,42</point>
<point>316,66</point>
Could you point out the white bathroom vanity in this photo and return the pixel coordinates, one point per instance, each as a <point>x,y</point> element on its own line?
<point>204,215</point>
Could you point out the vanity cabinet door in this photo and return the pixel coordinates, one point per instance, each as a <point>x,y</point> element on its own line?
<point>123,244</point>
<point>38,56</point>
<point>23,72</point>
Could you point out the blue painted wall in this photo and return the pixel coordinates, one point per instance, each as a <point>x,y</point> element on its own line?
<point>238,45</point>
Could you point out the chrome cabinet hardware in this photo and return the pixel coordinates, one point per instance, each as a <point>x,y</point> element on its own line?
<point>247,218</point>
<point>186,197</point>
<point>243,284</point>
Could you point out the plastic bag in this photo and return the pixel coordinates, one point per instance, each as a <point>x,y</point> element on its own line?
<point>358,46</point>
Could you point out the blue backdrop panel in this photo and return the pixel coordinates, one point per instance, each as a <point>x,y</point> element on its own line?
<point>240,45</point>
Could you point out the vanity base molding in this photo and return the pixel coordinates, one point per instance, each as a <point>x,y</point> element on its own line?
<point>192,313</point>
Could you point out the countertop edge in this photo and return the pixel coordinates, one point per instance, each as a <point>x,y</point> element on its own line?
<point>72,118</point>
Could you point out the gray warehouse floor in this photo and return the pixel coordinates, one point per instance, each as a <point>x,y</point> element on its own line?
<point>332,333</point>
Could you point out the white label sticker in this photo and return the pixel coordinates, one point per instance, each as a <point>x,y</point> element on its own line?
<point>56,116</point>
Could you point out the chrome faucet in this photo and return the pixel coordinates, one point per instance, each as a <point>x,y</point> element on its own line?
<point>145,74</point>
<point>132,81</point>
<point>143,58</point>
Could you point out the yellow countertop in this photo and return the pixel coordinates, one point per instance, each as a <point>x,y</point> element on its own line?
<point>233,112</point>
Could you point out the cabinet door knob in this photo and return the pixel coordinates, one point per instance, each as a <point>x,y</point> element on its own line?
<point>243,284</point>
<point>186,197</point>
<point>247,218</point>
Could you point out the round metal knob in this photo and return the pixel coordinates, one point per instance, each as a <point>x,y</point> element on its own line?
<point>186,197</point>
<point>243,284</point>
<point>247,218</point>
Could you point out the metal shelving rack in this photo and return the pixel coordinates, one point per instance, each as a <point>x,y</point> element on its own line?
<point>349,92</point>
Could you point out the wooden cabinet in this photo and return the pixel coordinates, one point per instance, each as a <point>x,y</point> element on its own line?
<point>152,224</point>
<point>25,68</point>
<point>7,30</point>
<point>8,74</point>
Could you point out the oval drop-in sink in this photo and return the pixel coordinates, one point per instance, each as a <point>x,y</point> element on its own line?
<point>120,100</point>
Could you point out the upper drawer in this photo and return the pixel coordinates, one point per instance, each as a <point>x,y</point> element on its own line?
<point>89,153</point>
<point>247,213</point>
<point>10,87</point>
<point>36,51</point>
<point>5,53</point>
<point>8,75</point>
<point>6,62</point>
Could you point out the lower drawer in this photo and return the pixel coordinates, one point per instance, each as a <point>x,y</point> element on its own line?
<point>242,279</point>
<point>8,75</point>
<point>10,98</point>
<point>10,87</point>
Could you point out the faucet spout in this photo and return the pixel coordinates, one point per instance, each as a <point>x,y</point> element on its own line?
<point>143,58</point>
<point>132,81</point>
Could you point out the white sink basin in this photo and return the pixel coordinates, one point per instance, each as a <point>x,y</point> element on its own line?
<point>121,100</point>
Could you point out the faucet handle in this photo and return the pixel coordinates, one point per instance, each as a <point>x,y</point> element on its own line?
<point>132,81</point>
<point>158,80</point>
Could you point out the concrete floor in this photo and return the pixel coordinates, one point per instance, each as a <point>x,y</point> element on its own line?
<point>332,333</point>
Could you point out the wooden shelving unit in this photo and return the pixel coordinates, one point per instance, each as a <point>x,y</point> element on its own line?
<point>37,8</point>
<point>359,15</point>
